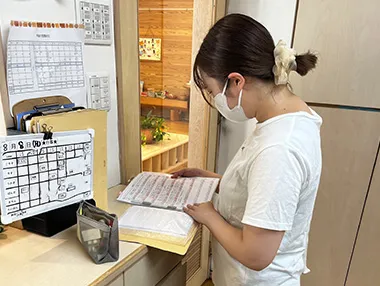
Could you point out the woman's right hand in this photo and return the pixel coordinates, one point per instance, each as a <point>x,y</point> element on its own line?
<point>194,172</point>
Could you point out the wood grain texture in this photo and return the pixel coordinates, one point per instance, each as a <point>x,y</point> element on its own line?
<point>127,71</point>
<point>364,270</point>
<point>213,128</point>
<point>349,145</point>
<point>175,30</point>
<point>166,103</point>
<point>165,3</point>
<point>199,110</point>
<point>199,123</point>
<point>343,33</point>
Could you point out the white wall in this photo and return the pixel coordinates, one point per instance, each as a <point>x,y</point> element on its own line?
<point>96,58</point>
<point>278,17</point>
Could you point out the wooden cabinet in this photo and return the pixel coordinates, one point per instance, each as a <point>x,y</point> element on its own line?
<point>350,141</point>
<point>344,33</point>
<point>365,265</point>
<point>177,277</point>
<point>155,268</point>
<point>119,281</point>
<point>152,268</point>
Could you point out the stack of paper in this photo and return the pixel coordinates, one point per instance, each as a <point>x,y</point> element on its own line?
<point>157,218</point>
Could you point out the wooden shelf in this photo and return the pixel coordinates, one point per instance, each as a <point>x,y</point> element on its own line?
<point>165,103</point>
<point>179,166</point>
<point>173,141</point>
<point>166,156</point>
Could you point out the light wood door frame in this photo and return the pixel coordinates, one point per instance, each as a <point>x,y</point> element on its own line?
<point>128,86</point>
<point>203,127</point>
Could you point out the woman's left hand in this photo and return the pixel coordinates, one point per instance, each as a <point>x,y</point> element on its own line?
<point>202,213</point>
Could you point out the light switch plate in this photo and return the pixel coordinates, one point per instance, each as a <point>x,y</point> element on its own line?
<point>98,91</point>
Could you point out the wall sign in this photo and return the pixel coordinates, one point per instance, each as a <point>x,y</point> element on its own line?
<point>95,16</point>
<point>150,49</point>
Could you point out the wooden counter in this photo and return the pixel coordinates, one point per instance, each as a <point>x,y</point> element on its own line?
<point>30,259</point>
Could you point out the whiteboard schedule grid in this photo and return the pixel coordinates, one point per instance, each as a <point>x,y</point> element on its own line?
<point>40,175</point>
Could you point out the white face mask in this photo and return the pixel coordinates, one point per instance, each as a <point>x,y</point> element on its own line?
<point>235,114</point>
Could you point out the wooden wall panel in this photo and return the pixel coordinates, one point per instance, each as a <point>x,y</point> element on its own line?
<point>174,27</point>
<point>365,266</point>
<point>344,33</point>
<point>349,144</point>
<point>166,4</point>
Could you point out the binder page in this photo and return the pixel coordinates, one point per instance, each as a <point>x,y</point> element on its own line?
<point>161,191</point>
<point>156,220</point>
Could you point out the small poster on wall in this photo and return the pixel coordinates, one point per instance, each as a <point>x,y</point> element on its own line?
<point>150,49</point>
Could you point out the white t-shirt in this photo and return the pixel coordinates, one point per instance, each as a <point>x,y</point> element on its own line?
<point>272,183</point>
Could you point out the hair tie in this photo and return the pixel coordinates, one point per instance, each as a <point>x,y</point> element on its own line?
<point>285,62</point>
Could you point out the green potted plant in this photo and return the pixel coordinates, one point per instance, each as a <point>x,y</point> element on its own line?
<point>152,129</point>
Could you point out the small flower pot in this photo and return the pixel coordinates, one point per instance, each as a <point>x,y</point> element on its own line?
<point>148,134</point>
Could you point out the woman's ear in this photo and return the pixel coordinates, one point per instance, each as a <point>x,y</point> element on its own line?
<point>236,84</point>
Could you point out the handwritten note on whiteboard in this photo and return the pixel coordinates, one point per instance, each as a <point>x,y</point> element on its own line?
<point>39,175</point>
<point>159,190</point>
<point>45,62</point>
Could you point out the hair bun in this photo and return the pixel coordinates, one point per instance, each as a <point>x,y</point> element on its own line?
<point>306,62</point>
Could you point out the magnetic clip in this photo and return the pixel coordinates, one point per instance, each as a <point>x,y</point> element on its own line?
<point>48,135</point>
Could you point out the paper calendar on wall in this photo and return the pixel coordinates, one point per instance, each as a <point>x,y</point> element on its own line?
<point>39,175</point>
<point>45,59</point>
<point>150,49</point>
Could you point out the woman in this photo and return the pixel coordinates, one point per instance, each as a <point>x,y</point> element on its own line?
<point>266,197</point>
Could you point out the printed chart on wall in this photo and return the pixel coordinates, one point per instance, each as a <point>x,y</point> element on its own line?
<point>45,59</point>
<point>96,17</point>
<point>150,49</point>
<point>39,175</point>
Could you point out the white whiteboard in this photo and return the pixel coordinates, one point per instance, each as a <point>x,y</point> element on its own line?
<point>39,175</point>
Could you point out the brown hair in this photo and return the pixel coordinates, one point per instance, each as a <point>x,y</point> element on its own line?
<point>238,43</point>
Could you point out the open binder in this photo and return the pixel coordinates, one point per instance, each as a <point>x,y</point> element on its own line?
<point>155,216</point>
<point>160,241</point>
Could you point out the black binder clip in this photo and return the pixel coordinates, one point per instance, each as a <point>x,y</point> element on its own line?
<point>48,135</point>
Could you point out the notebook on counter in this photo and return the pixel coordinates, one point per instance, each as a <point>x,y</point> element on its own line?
<point>156,217</point>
